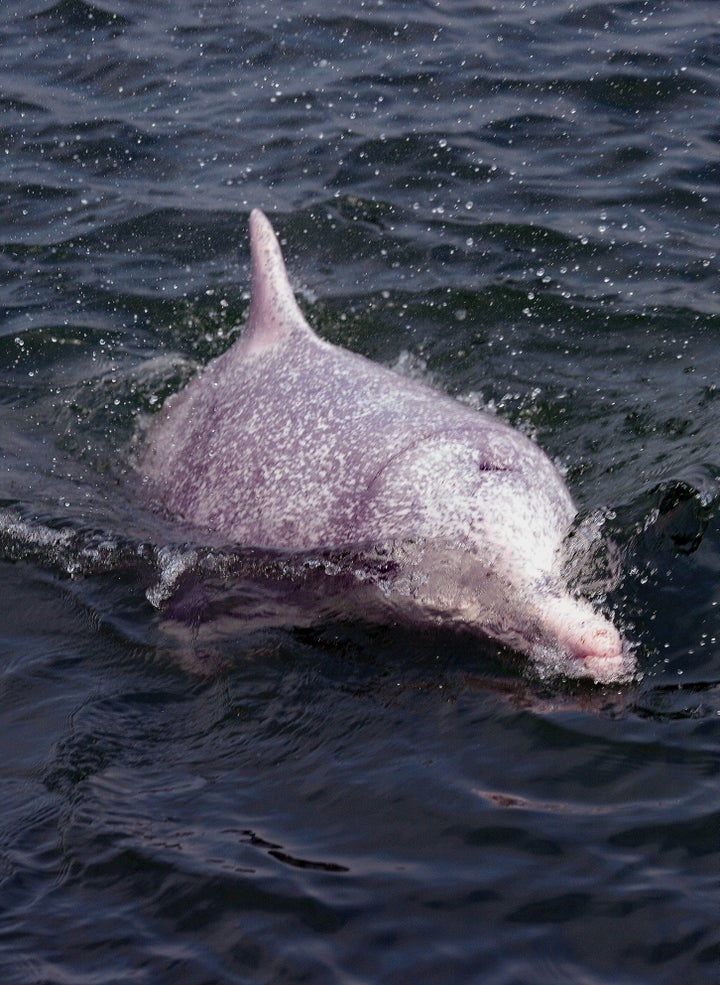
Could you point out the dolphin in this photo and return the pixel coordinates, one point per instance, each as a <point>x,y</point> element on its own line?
<point>287,442</point>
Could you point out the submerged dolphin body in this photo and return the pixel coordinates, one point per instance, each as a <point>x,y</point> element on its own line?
<point>289,442</point>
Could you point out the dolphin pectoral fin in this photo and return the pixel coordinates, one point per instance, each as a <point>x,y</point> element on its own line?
<point>274,313</point>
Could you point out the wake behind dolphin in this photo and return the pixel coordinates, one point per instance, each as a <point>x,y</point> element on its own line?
<point>287,442</point>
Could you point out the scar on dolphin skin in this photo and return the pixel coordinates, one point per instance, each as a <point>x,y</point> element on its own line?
<point>287,442</point>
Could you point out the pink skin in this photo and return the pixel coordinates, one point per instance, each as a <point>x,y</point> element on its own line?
<point>287,442</point>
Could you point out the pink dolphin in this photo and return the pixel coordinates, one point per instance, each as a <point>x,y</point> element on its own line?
<point>286,441</point>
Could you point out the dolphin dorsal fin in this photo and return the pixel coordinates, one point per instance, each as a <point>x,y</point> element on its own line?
<point>274,313</point>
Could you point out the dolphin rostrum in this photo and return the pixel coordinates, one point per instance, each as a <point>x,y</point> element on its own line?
<point>288,442</point>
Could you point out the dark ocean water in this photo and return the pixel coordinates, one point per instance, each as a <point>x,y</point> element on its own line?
<point>520,201</point>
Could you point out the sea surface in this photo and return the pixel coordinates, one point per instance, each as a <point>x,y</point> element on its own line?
<point>516,201</point>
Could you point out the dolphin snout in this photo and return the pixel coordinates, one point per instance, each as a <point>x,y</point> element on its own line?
<point>587,638</point>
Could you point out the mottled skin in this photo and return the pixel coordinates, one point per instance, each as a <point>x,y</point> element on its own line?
<point>288,442</point>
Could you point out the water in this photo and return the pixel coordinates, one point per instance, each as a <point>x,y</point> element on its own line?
<point>519,202</point>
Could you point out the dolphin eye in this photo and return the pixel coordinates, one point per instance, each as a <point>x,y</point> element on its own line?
<point>492,467</point>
